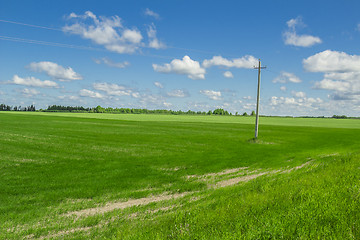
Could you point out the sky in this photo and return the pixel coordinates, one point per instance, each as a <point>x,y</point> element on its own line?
<point>183,55</point>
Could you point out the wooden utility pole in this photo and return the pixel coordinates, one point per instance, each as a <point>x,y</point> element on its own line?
<point>258,100</point>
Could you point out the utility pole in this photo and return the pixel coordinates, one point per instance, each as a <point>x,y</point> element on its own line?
<point>258,100</point>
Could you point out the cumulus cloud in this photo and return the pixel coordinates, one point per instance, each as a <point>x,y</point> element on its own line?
<point>154,42</point>
<point>307,102</point>
<point>153,101</point>
<point>186,66</point>
<point>286,77</point>
<point>91,94</point>
<point>332,61</point>
<point>151,13</point>
<point>68,97</point>
<point>178,93</point>
<point>158,84</point>
<point>113,89</point>
<point>29,92</point>
<point>32,82</point>
<point>106,31</point>
<point>341,73</point>
<point>283,88</point>
<point>110,63</point>
<point>296,106</point>
<point>214,95</point>
<point>292,38</point>
<point>228,74</point>
<point>247,61</point>
<point>298,94</point>
<point>55,71</point>
<point>329,84</point>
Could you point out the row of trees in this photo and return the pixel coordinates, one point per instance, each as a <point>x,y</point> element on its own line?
<point>99,109</point>
<point>59,108</point>
<point>4,107</point>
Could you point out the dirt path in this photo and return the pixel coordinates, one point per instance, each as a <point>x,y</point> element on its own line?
<point>234,179</point>
<point>121,205</point>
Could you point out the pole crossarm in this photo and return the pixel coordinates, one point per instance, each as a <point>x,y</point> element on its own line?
<point>258,100</point>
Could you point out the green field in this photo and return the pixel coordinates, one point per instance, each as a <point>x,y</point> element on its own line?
<point>119,176</point>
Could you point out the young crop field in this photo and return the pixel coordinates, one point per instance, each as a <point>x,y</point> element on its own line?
<point>117,176</point>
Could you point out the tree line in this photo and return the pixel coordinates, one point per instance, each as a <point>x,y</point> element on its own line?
<point>99,109</point>
<point>4,107</point>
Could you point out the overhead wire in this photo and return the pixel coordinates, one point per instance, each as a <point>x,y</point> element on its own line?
<point>31,41</point>
<point>54,44</point>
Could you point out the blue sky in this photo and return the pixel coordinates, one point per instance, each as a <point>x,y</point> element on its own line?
<point>182,55</point>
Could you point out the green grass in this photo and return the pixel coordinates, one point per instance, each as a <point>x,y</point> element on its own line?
<point>54,163</point>
<point>278,121</point>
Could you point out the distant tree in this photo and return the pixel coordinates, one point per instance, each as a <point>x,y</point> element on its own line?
<point>4,107</point>
<point>245,114</point>
<point>99,109</point>
<point>339,117</point>
<point>253,113</point>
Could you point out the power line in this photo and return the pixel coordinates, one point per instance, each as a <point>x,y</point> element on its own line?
<point>31,25</point>
<point>60,30</point>
<point>54,44</point>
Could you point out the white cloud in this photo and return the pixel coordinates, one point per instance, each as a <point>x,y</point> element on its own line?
<point>55,71</point>
<point>186,66</point>
<point>110,63</point>
<point>153,101</point>
<point>33,82</point>
<point>105,31</point>
<point>158,84</point>
<point>132,36</point>
<point>154,42</point>
<point>298,94</point>
<point>286,77</point>
<point>29,92</point>
<point>214,95</point>
<point>300,101</point>
<point>228,74</point>
<point>178,93</point>
<point>283,88</point>
<point>328,84</point>
<point>292,38</point>
<point>341,73</point>
<point>247,97</point>
<point>332,61</point>
<point>68,97</point>
<point>294,22</point>
<point>113,89</point>
<point>151,13</point>
<point>89,93</point>
<point>247,61</point>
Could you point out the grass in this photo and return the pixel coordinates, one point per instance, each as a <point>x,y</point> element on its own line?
<point>277,121</point>
<point>55,163</point>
